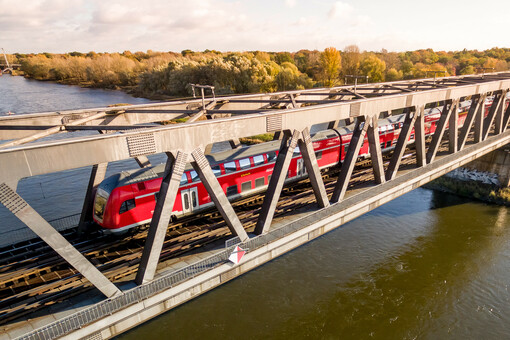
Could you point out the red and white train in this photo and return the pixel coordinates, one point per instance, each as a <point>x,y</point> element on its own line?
<point>127,199</point>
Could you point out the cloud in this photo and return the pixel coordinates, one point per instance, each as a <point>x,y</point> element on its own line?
<point>340,10</point>
<point>290,3</point>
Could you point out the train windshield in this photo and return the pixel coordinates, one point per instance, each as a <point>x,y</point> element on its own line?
<point>100,203</point>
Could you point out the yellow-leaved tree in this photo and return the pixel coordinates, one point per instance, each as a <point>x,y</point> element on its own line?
<point>331,64</point>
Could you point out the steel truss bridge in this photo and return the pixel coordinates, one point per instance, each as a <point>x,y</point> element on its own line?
<point>134,132</point>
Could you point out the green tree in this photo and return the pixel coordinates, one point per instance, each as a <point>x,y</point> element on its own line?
<point>331,64</point>
<point>373,67</point>
<point>393,75</point>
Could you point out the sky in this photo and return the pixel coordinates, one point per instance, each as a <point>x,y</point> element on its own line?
<point>59,26</point>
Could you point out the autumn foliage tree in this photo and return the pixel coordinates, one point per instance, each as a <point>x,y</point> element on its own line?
<point>374,68</point>
<point>331,64</point>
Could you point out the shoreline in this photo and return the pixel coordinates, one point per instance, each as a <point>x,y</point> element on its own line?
<point>486,193</point>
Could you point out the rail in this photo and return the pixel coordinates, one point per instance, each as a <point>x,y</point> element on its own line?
<point>11,237</point>
<point>140,293</point>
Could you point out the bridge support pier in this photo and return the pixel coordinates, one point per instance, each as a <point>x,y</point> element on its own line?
<point>162,212</point>
<point>23,211</point>
<point>496,162</point>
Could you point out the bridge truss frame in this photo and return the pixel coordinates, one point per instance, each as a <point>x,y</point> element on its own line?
<point>287,114</point>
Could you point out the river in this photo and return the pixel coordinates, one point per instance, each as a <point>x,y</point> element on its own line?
<point>427,265</point>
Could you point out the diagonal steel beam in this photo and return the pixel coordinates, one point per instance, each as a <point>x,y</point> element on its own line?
<point>312,167</point>
<point>479,117</point>
<point>500,114</point>
<point>506,118</point>
<point>453,128</point>
<point>440,129</point>
<point>210,182</point>
<point>374,143</point>
<point>162,212</point>
<point>97,175</point>
<point>487,122</point>
<point>277,181</point>
<point>419,137</point>
<point>24,212</point>
<point>476,101</point>
<point>355,144</point>
<point>400,148</point>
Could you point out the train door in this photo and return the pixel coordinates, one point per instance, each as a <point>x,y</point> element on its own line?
<point>301,169</point>
<point>189,200</point>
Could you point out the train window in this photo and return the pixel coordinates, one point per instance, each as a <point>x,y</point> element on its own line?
<point>318,155</point>
<point>127,205</point>
<point>271,156</point>
<point>259,182</point>
<point>230,167</point>
<point>382,145</point>
<point>257,160</point>
<point>194,201</point>
<point>184,179</point>
<point>216,170</point>
<point>194,176</point>
<point>245,186</point>
<point>186,201</point>
<point>244,163</point>
<point>412,136</point>
<point>297,151</point>
<point>232,190</point>
<point>388,143</point>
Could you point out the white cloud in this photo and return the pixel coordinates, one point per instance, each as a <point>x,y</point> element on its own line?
<point>290,3</point>
<point>228,25</point>
<point>340,10</point>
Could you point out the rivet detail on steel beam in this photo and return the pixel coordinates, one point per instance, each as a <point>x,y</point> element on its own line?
<point>141,145</point>
<point>11,200</point>
<point>274,123</point>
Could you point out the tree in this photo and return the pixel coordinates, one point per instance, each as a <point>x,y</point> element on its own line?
<point>393,75</point>
<point>351,60</point>
<point>331,64</point>
<point>373,67</point>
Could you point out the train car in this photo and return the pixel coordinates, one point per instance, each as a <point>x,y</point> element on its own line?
<point>127,199</point>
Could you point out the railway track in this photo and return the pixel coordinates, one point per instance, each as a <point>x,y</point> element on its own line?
<point>34,276</point>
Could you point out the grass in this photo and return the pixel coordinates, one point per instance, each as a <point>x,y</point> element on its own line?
<point>266,137</point>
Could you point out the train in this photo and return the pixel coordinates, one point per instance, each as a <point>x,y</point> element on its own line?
<point>127,199</point>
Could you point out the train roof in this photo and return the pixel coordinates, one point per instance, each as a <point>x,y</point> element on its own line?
<point>144,174</point>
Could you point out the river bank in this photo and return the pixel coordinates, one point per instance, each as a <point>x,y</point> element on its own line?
<point>488,193</point>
